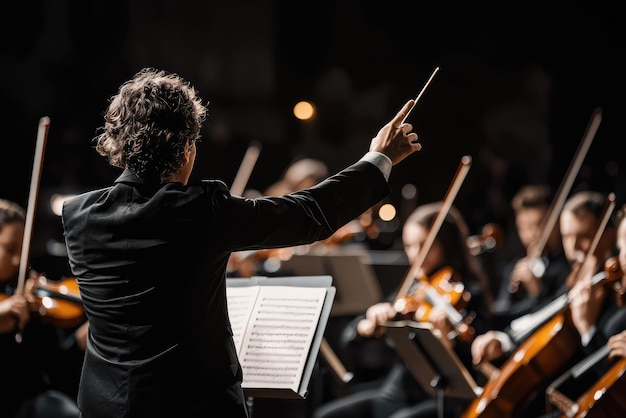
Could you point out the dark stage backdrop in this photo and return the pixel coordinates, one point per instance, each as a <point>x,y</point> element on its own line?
<point>517,86</point>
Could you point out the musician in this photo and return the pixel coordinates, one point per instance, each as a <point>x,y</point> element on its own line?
<point>596,313</point>
<point>529,282</point>
<point>399,395</point>
<point>590,310</point>
<point>601,319</point>
<point>150,252</point>
<point>30,384</point>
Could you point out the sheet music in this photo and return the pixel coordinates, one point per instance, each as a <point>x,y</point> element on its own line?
<point>240,303</point>
<point>274,332</point>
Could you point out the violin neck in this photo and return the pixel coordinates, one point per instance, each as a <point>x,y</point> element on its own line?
<point>40,292</point>
<point>437,300</point>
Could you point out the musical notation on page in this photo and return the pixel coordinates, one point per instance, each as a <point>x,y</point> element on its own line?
<point>273,328</point>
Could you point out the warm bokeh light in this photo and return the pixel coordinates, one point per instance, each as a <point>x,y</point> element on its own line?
<point>387,212</point>
<point>304,110</point>
<point>56,202</point>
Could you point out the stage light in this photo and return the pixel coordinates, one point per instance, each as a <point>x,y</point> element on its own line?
<point>56,202</point>
<point>387,212</point>
<point>304,110</point>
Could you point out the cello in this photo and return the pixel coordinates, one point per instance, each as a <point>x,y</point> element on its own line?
<point>510,390</point>
<point>605,399</point>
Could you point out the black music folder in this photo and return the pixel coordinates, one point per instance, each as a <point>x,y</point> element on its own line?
<point>278,325</point>
<point>434,365</point>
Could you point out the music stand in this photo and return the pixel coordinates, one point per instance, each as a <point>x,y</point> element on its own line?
<point>434,365</point>
<point>356,283</point>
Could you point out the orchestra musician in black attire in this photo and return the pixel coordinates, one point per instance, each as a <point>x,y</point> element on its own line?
<point>589,313</point>
<point>600,315</point>
<point>529,281</point>
<point>399,394</point>
<point>39,365</point>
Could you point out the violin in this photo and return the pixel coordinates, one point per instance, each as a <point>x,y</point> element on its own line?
<point>619,286</point>
<point>442,290</point>
<point>57,302</point>
<point>418,296</point>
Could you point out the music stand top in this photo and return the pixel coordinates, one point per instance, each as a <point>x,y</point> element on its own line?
<point>434,365</point>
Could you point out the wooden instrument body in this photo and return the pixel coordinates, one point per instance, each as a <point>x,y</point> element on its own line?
<point>527,372</point>
<point>605,399</point>
<point>419,304</point>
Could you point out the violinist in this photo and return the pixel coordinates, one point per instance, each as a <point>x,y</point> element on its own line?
<point>31,383</point>
<point>597,314</point>
<point>399,394</point>
<point>579,222</point>
<point>528,282</point>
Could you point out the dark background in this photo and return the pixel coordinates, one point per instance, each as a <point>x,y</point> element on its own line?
<point>518,83</point>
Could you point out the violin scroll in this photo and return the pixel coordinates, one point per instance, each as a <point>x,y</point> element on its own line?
<point>615,275</point>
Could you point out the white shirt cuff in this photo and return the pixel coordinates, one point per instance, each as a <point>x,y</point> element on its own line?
<point>506,342</point>
<point>380,160</point>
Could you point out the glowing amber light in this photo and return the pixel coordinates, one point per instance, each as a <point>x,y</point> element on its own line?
<point>303,110</point>
<point>56,202</point>
<point>387,212</point>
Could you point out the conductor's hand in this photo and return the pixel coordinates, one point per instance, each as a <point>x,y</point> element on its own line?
<point>396,139</point>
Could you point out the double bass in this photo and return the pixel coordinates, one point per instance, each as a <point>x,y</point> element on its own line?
<point>511,389</point>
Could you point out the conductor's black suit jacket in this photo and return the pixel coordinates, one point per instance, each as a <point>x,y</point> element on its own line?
<point>150,260</point>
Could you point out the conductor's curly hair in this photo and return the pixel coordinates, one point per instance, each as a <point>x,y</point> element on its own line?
<point>150,123</point>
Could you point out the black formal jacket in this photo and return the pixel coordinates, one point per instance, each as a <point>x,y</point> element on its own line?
<point>150,261</point>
